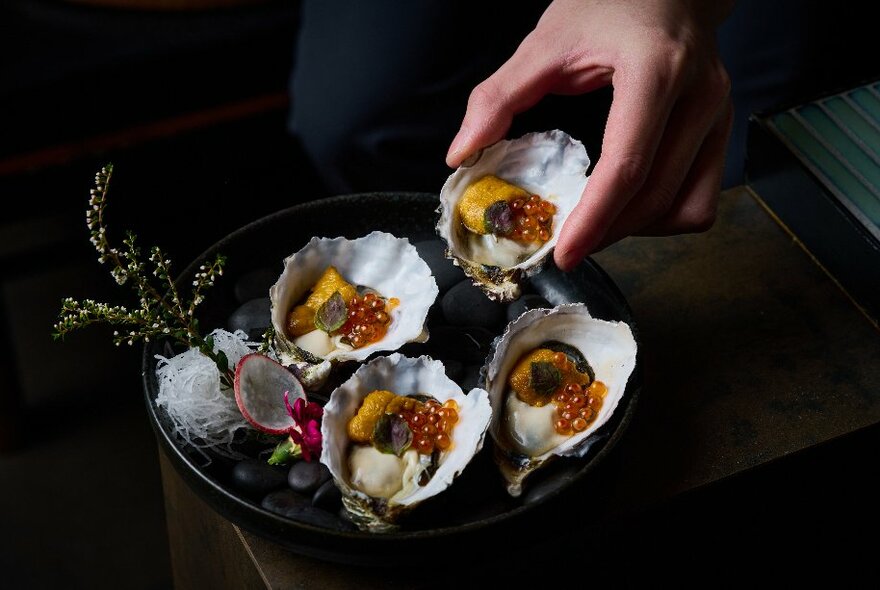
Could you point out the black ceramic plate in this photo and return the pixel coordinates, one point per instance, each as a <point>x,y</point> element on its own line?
<point>475,510</point>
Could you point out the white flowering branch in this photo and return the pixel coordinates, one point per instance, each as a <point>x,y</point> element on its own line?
<point>162,311</point>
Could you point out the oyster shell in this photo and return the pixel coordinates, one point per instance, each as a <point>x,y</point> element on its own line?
<point>550,164</point>
<point>380,262</point>
<point>403,376</point>
<point>524,435</point>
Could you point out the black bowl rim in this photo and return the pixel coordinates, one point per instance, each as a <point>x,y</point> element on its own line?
<point>222,500</point>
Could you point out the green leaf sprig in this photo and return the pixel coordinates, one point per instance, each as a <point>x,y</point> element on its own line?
<point>162,312</point>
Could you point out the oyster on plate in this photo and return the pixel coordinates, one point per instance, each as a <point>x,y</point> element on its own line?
<point>341,300</point>
<point>384,449</point>
<point>554,378</point>
<point>502,210</point>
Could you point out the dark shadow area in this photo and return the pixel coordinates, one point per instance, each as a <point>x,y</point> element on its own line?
<point>83,86</point>
<point>192,109</point>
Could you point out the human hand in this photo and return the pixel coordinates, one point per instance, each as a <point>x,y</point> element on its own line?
<point>663,149</point>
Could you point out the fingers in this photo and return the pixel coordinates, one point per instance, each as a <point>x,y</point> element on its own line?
<point>642,104</point>
<point>537,68</point>
<point>690,125</point>
<point>694,209</point>
<point>517,85</point>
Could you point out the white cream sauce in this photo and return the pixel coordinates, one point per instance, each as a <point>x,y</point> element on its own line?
<point>319,343</point>
<point>381,475</point>
<point>531,429</point>
<point>495,251</point>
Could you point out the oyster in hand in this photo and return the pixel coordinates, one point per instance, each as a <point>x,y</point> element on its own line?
<point>501,212</point>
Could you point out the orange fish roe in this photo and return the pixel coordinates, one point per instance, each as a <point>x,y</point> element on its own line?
<point>577,406</point>
<point>532,219</point>
<point>577,403</point>
<point>431,423</point>
<point>577,400</point>
<point>368,319</point>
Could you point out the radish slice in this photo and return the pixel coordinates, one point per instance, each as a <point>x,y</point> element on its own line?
<point>259,385</point>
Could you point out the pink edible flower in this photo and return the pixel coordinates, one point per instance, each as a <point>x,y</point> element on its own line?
<point>307,432</point>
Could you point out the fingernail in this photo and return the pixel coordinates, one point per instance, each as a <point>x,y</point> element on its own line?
<point>453,156</point>
<point>563,261</point>
<point>455,153</point>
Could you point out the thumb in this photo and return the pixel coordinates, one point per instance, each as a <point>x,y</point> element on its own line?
<point>516,86</point>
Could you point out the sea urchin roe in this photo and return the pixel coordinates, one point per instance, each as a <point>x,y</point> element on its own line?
<point>364,319</point>
<point>301,319</point>
<point>542,374</point>
<point>494,206</point>
<point>431,422</point>
<point>362,424</point>
<point>329,282</point>
<point>481,207</point>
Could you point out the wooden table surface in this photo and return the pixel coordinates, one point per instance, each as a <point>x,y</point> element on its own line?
<point>751,353</point>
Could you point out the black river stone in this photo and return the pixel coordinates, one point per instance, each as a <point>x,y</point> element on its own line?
<point>445,272</point>
<point>306,477</point>
<point>467,305</point>
<point>328,497</point>
<point>469,344</point>
<point>253,317</point>
<point>257,477</point>
<point>524,304</point>
<point>284,502</point>
<point>295,506</point>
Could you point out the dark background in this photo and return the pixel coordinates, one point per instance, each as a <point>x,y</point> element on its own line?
<point>191,106</point>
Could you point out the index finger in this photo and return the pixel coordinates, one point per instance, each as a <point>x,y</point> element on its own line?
<point>639,112</point>
<point>518,84</point>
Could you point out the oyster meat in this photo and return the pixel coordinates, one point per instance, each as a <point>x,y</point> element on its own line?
<point>501,211</point>
<point>384,449</point>
<point>340,300</point>
<point>554,378</point>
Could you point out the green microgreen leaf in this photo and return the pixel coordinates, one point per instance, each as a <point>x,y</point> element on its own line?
<point>332,314</point>
<point>498,218</point>
<point>545,378</point>
<point>392,435</point>
<point>573,354</point>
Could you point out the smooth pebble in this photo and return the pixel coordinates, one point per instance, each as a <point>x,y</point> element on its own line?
<point>306,477</point>
<point>433,252</point>
<point>256,477</point>
<point>467,305</point>
<point>328,497</point>
<point>253,317</point>
<point>524,304</point>
<point>466,344</point>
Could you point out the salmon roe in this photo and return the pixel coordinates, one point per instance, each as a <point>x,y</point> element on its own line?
<point>431,424</point>
<point>368,319</point>
<point>532,219</point>
<point>577,405</point>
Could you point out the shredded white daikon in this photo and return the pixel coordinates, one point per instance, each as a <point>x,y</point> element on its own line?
<point>203,412</point>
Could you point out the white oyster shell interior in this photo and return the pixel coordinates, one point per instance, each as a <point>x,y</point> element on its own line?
<point>404,376</point>
<point>550,164</point>
<point>610,349</point>
<point>385,263</point>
